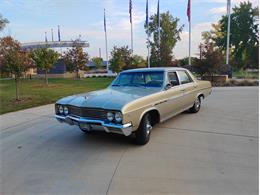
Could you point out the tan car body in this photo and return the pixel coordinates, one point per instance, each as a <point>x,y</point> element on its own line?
<point>133,102</point>
<point>167,103</point>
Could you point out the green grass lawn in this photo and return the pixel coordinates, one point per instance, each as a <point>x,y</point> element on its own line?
<point>245,75</point>
<point>35,93</point>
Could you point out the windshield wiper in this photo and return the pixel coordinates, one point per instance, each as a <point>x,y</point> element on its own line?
<point>115,85</point>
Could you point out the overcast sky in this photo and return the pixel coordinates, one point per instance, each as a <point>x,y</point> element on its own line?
<point>30,19</point>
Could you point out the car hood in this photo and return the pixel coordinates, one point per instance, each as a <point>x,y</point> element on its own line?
<point>113,98</point>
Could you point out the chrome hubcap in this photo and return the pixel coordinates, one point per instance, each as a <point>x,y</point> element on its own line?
<point>197,104</point>
<point>148,127</point>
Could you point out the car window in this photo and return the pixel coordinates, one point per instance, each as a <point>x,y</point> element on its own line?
<point>184,77</point>
<point>125,79</point>
<point>146,79</point>
<point>138,79</point>
<point>173,79</point>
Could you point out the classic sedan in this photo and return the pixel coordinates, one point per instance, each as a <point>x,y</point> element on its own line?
<point>134,102</point>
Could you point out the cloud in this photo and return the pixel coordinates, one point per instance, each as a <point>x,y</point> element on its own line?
<point>234,2</point>
<point>85,17</point>
<point>223,9</point>
<point>218,10</point>
<point>182,47</point>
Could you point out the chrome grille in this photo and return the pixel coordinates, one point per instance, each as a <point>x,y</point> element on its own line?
<point>87,112</point>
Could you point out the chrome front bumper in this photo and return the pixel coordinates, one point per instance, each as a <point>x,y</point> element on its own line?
<point>125,129</point>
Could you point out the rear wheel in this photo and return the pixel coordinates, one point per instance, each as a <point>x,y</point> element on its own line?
<point>142,135</point>
<point>196,106</point>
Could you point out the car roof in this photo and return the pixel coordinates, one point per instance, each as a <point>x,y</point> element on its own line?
<point>154,69</point>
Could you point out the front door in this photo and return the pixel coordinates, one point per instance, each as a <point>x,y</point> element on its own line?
<point>173,96</point>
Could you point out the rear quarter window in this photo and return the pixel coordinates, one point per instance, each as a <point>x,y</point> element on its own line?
<point>184,77</point>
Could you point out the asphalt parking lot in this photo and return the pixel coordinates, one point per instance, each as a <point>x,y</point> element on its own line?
<point>212,152</point>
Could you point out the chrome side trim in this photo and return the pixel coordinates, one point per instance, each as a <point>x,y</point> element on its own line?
<point>175,113</point>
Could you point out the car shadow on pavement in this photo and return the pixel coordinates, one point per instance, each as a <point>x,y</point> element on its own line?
<point>97,138</point>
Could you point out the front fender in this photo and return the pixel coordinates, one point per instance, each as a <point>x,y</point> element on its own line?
<point>148,110</point>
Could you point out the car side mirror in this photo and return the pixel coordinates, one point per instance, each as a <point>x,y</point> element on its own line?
<point>168,86</point>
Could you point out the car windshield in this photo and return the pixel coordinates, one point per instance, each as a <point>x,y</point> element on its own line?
<point>145,79</point>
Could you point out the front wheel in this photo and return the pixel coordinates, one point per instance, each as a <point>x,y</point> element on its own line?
<point>142,135</point>
<point>196,106</point>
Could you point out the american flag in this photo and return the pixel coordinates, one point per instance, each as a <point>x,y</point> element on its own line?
<point>188,10</point>
<point>130,10</point>
<point>147,16</point>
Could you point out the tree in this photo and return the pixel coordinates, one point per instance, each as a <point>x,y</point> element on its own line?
<point>161,55</point>
<point>120,58</point>
<point>138,61</point>
<point>76,58</point>
<point>244,39</point>
<point>185,61</point>
<point>212,60</point>
<point>3,22</point>
<point>98,62</point>
<point>44,59</point>
<point>13,60</point>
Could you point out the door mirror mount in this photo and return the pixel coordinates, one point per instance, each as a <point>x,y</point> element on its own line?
<point>168,86</point>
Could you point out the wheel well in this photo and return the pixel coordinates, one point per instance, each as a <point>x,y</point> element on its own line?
<point>155,116</point>
<point>201,96</point>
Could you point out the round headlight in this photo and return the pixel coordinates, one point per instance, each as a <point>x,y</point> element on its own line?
<point>66,110</point>
<point>60,109</point>
<point>118,117</point>
<point>110,116</point>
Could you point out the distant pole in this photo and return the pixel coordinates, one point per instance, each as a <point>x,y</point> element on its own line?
<point>132,44</point>
<point>148,39</point>
<point>130,13</point>
<point>105,29</point>
<point>148,57</point>
<point>59,38</point>
<point>228,31</point>
<point>46,40</point>
<point>159,24</point>
<point>59,33</point>
<point>52,35</point>
<point>189,19</point>
<point>200,47</point>
<point>99,52</point>
<point>189,43</point>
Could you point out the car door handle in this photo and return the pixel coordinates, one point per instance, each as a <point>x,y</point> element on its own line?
<point>195,86</point>
<point>182,90</point>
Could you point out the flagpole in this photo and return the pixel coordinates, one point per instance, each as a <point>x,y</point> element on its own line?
<point>59,38</point>
<point>59,33</point>
<point>159,33</point>
<point>52,35</point>
<point>228,31</point>
<point>159,24</point>
<point>190,42</point>
<point>106,51</point>
<point>106,39</point>
<point>131,21</point>
<point>148,58</point>
<point>148,39</point>
<point>132,47</point>
<point>189,16</point>
<point>46,37</point>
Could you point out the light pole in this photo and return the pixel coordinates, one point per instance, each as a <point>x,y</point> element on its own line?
<point>228,38</point>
